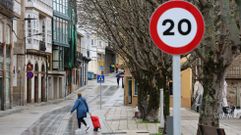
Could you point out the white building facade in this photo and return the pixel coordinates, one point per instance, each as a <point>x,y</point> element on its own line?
<point>38,43</point>
<point>97,47</point>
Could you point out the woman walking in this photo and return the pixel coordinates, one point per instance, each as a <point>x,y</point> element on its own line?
<point>82,109</point>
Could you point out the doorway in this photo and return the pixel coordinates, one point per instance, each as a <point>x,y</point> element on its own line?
<point>36,89</point>
<point>36,84</point>
<point>129,91</point>
<point>1,90</point>
<point>55,87</point>
<point>43,84</point>
<point>43,95</point>
<point>29,93</point>
<point>60,88</point>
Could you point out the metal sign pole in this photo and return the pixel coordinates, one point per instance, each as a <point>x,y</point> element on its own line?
<point>176,94</point>
<point>100,95</point>
<point>161,109</point>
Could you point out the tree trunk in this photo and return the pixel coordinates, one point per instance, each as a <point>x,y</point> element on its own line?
<point>153,105</point>
<point>149,98</point>
<point>213,86</point>
<point>142,99</point>
<point>166,103</point>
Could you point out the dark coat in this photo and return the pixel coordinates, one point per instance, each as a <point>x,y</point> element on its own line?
<point>119,75</point>
<point>81,106</point>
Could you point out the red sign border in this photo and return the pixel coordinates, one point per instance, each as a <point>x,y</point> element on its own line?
<point>177,4</point>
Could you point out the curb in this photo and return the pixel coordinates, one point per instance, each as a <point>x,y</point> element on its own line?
<point>11,111</point>
<point>18,109</point>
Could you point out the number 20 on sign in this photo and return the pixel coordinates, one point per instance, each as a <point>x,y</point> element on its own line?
<point>177,27</point>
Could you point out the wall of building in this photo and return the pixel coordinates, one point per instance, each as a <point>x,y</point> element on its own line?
<point>130,89</point>
<point>42,11</point>
<point>97,53</point>
<point>37,89</point>
<point>234,92</point>
<point>6,55</point>
<point>186,89</point>
<point>19,54</point>
<point>41,5</point>
<point>110,59</point>
<point>56,85</point>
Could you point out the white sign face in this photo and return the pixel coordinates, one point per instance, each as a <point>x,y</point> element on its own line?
<point>177,27</point>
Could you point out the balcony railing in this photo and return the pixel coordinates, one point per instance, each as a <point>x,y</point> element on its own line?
<point>42,46</point>
<point>234,72</point>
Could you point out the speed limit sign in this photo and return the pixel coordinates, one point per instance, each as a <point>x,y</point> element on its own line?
<point>177,27</point>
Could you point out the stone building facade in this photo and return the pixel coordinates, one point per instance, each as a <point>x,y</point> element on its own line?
<point>233,79</point>
<point>7,14</point>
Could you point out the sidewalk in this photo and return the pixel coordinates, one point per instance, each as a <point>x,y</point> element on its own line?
<point>15,121</point>
<point>118,119</point>
<point>18,109</point>
<point>115,118</point>
<point>54,117</point>
<point>190,120</point>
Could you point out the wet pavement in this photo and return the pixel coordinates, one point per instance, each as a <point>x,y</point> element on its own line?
<point>61,122</point>
<point>115,118</point>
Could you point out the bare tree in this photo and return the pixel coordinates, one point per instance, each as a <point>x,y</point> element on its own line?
<point>220,46</point>
<point>125,24</point>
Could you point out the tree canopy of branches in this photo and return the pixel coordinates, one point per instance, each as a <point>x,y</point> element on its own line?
<point>125,24</point>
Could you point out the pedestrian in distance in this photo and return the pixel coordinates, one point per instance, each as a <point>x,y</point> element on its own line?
<point>82,109</point>
<point>116,68</point>
<point>118,79</point>
<point>118,76</point>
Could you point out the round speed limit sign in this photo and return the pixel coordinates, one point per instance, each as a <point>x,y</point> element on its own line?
<point>177,27</point>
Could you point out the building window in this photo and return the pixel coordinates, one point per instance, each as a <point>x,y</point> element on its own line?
<point>55,58</point>
<point>61,58</point>
<point>129,90</point>
<point>60,30</point>
<point>58,58</point>
<point>54,4</point>
<point>1,85</point>
<point>136,88</point>
<point>1,39</point>
<point>29,29</point>
<point>43,31</point>
<point>8,35</point>
<point>61,6</point>
<point>1,53</point>
<point>1,32</point>
<point>88,53</point>
<point>8,41</point>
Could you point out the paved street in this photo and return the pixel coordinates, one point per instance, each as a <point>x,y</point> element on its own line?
<point>190,121</point>
<point>55,119</point>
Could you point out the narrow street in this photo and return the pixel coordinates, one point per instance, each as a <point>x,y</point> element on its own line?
<point>54,118</point>
<point>56,121</point>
